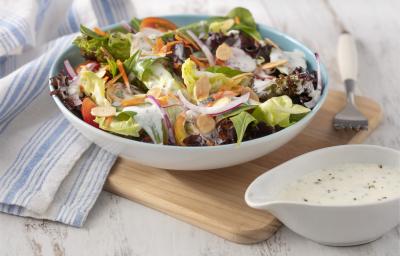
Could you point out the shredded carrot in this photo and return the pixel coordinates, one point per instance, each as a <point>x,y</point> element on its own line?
<point>108,121</point>
<point>123,73</point>
<point>163,100</point>
<point>105,79</point>
<point>115,79</point>
<point>182,37</point>
<point>100,32</point>
<point>158,45</point>
<point>167,47</point>
<point>237,20</point>
<point>197,61</point>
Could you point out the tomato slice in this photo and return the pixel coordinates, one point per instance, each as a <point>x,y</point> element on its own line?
<point>157,23</point>
<point>87,105</point>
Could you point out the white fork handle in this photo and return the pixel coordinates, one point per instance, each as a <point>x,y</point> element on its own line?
<point>347,57</point>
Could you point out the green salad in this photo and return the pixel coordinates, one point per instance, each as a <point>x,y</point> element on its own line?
<point>213,82</point>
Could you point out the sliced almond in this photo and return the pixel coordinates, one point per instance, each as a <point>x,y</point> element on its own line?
<point>155,92</point>
<point>224,52</point>
<point>202,88</point>
<point>274,64</point>
<point>103,111</point>
<point>222,102</point>
<point>253,95</point>
<point>205,123</point>
<point>239,78</point>
<point>135,100</point>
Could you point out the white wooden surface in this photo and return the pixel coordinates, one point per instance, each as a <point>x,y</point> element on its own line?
<point>119,227</point>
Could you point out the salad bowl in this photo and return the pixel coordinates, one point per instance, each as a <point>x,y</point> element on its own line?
<point>193,158</point>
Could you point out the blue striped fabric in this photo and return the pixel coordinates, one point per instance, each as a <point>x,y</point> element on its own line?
<point>54,173</point>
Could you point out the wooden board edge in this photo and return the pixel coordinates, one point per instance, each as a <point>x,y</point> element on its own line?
<point>239,236</point>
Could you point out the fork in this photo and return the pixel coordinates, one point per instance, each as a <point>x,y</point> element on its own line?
<point>350,117</point>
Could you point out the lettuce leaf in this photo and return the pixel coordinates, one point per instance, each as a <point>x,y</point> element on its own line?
<point>135,23</point>
<point>156,75</point>
<point>189,75</point>
<point>229,72</point>
<point>94,87</point>
<point>112,65</point>
<point>123,124</point>
<point>114,45</point>
<point>235,112</point>
<point>247,23</point>
<point>244,15</point>
<point>151,72</point>
<point>241,122</point>
<point>222,26</point>
<point>278,110</point>
<point>90,33</point>
<point>91,48</point>
<point>119,45</point>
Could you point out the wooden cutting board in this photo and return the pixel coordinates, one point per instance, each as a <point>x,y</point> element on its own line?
<point>213,199</point>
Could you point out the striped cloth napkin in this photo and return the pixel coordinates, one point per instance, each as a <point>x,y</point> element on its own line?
<point>47,169</point>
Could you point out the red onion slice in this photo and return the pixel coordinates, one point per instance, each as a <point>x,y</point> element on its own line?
<point>167,122</point>
<point>93,66</point>
<point>203,47</point>
<point>214,110</point>
<point>70,70</point>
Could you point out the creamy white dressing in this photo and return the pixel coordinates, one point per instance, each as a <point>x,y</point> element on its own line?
<point>74,91</point>
<point>141,40</point>
<point>161,78</point>
<point>260,85</point>
<point>241,60</point>
<point>262,81</point>
<point>295,59</point>
<point>345,184</point>
<point>149,117</point>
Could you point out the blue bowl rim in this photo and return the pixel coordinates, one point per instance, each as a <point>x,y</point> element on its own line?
<point>325,83</point>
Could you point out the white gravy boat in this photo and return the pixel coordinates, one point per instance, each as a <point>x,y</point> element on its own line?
<point>336,225</point>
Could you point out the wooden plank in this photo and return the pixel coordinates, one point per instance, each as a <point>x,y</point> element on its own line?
<point>213,199</point>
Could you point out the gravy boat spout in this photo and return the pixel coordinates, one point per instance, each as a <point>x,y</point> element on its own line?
<point>336,225</point>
